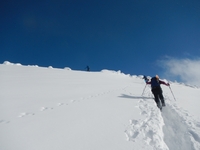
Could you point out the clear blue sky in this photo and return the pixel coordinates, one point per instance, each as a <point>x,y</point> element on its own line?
<point>127,35</point>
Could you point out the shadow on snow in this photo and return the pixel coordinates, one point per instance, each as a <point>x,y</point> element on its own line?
<point>134,97</point>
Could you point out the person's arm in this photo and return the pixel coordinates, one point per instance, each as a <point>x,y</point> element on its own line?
<point>148,82</point>
<point>162,82</point>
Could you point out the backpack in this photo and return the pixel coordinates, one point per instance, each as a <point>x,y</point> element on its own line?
<point>154,82</point>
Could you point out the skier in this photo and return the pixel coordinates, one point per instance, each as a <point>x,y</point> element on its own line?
<point>156,90</point>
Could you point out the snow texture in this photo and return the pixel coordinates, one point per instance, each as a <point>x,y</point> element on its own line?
<point>49,108</point>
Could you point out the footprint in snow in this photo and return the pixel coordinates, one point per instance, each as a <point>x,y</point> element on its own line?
<point>4,121</point>
<point>144,113</point>
<point>72,101</point>
<point>25,114</point>
<point>45,108</point>
<point>61,104</point>
<point>133,122</point>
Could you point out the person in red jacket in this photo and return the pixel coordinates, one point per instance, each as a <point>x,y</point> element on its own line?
<point>157,90</point>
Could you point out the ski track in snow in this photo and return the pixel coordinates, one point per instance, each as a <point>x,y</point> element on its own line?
<point>171,129</point>
<point>181,130</point>
<point>43,108</point>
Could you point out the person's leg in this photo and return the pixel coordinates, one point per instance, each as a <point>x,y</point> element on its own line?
<point>156,98</point>
<point>162,98</point>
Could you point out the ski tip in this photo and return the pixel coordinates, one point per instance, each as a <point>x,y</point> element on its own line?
<point>160,109</point>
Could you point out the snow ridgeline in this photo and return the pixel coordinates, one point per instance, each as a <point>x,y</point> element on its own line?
<point>86,108</point>
<point>66,68</point>
<point>19,64</point>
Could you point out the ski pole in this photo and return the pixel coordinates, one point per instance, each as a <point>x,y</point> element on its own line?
<point>172,93</point>
<point>144,89</point>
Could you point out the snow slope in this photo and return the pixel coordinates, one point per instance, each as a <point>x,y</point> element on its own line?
<point>62,109</point>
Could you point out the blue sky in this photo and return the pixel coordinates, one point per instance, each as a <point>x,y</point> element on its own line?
<point>134,36</point>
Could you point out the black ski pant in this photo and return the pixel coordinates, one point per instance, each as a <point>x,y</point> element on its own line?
<point>157,92</point>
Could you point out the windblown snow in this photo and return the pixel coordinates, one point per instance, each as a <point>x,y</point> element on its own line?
<point>63,109</point>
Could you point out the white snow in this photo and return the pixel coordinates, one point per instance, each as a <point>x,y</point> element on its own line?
<point>54,109</point>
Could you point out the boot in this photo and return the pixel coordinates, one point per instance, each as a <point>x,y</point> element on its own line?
<point>163,103</point>
<point>158,105</point>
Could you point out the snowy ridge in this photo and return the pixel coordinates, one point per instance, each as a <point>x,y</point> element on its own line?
<point>9,63</point>
<point>48,109</point>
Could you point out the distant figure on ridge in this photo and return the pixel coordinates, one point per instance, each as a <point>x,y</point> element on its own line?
<point>87,68</point>
<point>157,90</point>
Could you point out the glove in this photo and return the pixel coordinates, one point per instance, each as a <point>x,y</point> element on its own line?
<point>168,84</point>
<point>145,79</point>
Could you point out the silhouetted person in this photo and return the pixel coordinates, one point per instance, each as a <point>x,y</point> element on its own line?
<point>87,68</point>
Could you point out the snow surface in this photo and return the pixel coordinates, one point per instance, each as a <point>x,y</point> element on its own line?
<point>62,109</point>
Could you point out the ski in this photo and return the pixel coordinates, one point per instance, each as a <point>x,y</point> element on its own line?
<point>161,108</point>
